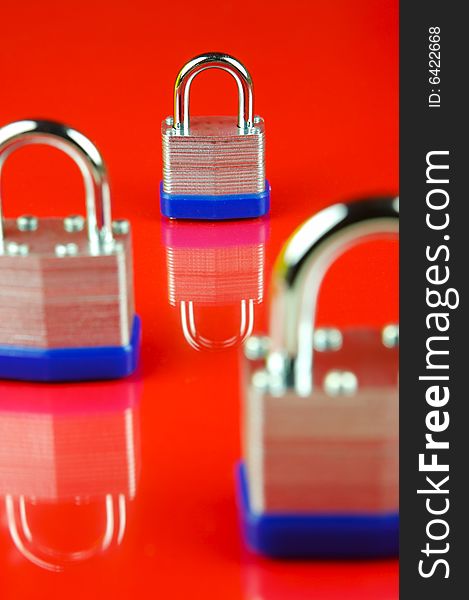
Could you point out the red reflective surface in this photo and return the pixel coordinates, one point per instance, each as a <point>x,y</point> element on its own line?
<point>325,79</point>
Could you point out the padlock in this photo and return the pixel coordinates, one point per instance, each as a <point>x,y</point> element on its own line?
<point>66,295</point>
<point>68,452</point>
<point>214,167</point>
<point>215,265</point>
<point>320,470</point>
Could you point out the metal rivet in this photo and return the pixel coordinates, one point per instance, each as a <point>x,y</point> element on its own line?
<point>390,336</point>
<point>121,227</point>
<point>27,223</point>
<point>17,249</point>
<point>66,250</point>
<point>257,119</point>
<point>340,383</point>
<point>169,121</point>
<point>74,223</point>
<point>277,363</point>
<point>327,339</point>
<point>256,347</point>
<point>260,380</point>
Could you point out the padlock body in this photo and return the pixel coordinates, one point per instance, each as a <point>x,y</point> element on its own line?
<point>214,171</point>
<point>214,158</point>
<point>320,474</point>
<point>323,453</point>
<point>49,302</point>
<point>66,317</point>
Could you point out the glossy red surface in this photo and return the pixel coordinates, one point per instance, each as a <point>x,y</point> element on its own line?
<point>326,82</point>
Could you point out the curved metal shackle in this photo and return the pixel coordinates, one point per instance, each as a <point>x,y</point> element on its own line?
<point>298,275</point>
<point>213,60</point>
<point>85,155</point>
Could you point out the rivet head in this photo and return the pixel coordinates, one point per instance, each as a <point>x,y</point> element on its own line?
<point>256,347</point>
<point>169,121</point>
<point>327,339</point>
<point>257,119</point>
<point>340,383</point>
<point>27,223</point>
<point>74,223</point>
<point>15,249</point>
<point>63,250</point>
<point>390,336</point>
<point>121,227</point>
<point>260,381</point>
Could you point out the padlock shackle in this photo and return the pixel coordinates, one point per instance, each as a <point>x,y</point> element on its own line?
<point>298,275</point>
<point>85,155</point>
<point>213,60</point>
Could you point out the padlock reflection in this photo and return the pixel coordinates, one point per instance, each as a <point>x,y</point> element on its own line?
<point>69,466</point>
<point>353,580</point>
<point>215,266</point>
<point>320,476</point>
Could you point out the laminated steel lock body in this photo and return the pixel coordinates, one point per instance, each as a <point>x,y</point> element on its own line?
<point>66,284</point>
<point>321,411</point>
<point>214,166</point>
<point>215,264</point>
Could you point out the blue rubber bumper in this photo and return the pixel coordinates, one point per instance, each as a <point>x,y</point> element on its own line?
<point>284,535</point>
<point>72,364</point>
<point>215,208</point>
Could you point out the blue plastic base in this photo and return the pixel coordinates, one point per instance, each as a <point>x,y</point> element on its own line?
<point>72,364</point>
<point>279,535</point>
<point>215,208</point>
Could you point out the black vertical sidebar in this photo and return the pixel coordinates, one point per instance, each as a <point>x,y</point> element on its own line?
<point>434,253</point>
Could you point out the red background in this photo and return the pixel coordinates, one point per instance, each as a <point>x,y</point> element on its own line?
<point>326,83</point>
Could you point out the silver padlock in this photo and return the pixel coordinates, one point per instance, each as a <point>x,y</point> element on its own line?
<point>320,472</point>
<point>214,167</point>
<point>66,295</point>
